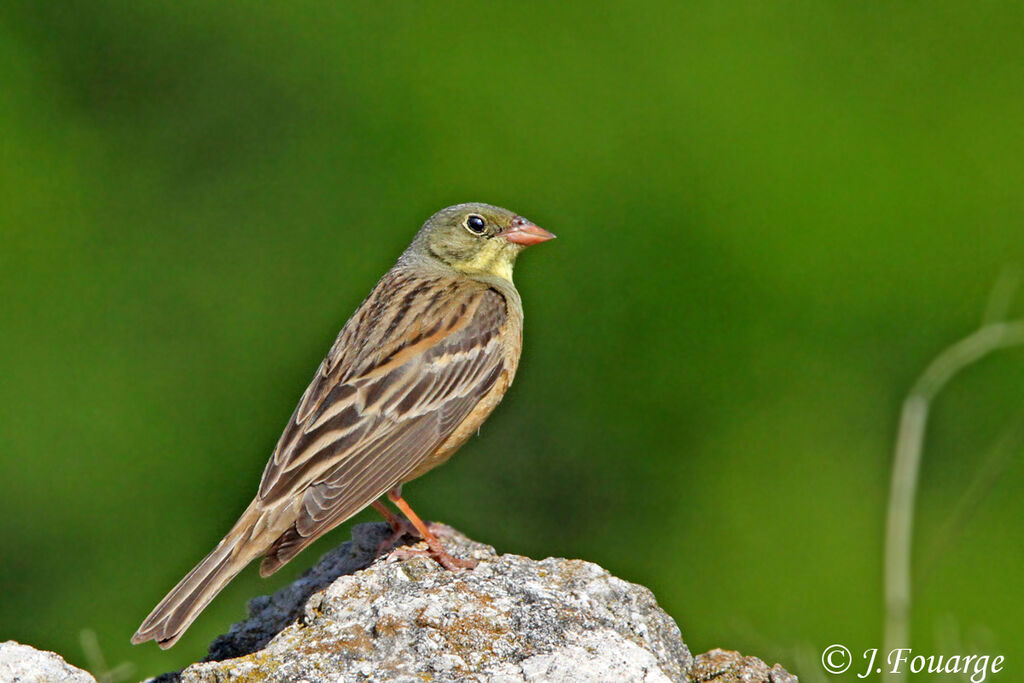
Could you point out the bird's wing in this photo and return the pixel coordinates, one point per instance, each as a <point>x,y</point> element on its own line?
<point>404,373</point>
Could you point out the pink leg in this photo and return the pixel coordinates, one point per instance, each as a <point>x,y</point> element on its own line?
<point>400,527</point>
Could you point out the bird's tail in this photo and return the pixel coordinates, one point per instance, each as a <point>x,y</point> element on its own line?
<point>168,620</point>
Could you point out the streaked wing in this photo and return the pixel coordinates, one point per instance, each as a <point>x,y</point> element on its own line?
<point>404,373</point>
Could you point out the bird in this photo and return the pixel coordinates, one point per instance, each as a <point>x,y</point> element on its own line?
<point>411,376</point>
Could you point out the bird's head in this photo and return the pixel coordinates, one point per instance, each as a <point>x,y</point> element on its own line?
<point>477,239</point>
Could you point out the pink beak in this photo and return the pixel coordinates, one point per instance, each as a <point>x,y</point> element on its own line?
<point>526,233</point>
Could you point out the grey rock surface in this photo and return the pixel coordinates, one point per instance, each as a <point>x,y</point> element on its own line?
<point>24,664</point>
<point>726,666</point>
<point>359,617</point>
<point>356,617</point>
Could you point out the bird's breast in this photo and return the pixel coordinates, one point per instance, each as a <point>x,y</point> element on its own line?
<point>511,336</point>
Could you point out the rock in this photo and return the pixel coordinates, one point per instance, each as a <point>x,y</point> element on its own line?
<point>23,664</point>
<point>509,619</point>
<point>726,666</point>
<point>359,617</point>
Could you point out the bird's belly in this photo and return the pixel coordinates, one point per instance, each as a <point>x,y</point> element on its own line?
<point>465,430</point>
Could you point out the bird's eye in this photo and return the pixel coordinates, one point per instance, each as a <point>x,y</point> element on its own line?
<point>476,225</point>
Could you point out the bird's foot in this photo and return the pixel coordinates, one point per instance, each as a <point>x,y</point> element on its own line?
<point>439,555</point>
<point>403,527</point>
<point>412,525</point>
<point>400,528</point>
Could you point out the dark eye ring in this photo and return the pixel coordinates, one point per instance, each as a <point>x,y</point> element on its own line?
<point>476,225</point>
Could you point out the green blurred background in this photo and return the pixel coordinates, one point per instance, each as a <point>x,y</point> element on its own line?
<point>771,216</point>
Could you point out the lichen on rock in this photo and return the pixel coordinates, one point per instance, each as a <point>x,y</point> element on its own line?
<point>355,616</point>
<point>726,666</point>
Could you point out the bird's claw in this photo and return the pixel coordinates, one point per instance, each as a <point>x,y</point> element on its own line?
<point>442,557</point>
<point>402,527</point>
<point>399,529</point>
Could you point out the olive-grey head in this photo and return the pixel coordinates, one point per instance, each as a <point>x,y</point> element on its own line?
<point>475,239</point>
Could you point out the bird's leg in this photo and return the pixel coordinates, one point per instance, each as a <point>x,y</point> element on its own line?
<point>400,526</point>
<point>437,551</point>
<point>396,523</point>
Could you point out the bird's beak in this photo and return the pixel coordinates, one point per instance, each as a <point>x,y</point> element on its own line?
<point>525,233</point>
